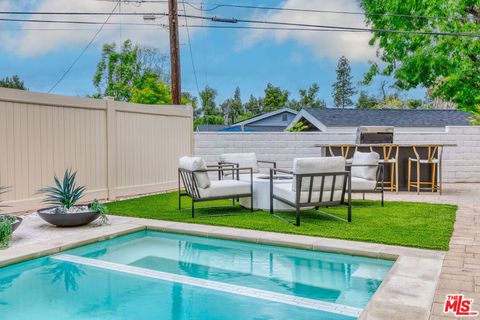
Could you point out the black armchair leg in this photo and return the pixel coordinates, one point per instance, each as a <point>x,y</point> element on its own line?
<point>193,208</point>
<point>297,212</point>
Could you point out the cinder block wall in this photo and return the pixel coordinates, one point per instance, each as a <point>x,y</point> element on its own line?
<point>460,163</point>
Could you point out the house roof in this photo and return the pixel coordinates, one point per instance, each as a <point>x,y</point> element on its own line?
<point>387,117</point>
<point>263,116</point>
<point>210,127</point>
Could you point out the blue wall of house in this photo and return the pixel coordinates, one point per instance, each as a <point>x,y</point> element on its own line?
<point>277,120</point>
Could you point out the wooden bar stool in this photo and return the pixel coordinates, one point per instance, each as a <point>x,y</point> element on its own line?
<point>344,149</point>
<point>434,159</point>
<point>390,156</point>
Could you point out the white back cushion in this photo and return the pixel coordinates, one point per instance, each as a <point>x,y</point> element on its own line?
<point>194,164</point>
<point>365,158</point>
<point>319,165</point>
<point>244,160</point>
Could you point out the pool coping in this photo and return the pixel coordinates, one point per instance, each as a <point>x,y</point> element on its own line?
<point>407,292</point>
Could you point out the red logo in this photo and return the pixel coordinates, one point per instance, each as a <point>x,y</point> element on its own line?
<point>458,305</point>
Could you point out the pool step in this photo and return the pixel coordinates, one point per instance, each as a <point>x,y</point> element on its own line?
<point>215,285</point>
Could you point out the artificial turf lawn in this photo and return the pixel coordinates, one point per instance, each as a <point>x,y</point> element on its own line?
<point>412,224</point>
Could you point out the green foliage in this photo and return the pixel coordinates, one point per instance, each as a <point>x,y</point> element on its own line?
<point>233,107</point>
<point>365,101</point>
<point>207,100</point>
<point>208,120</point>
<point>343,88</point>
<point>475,119</point>
<point>5,232</point>
<point>5,225</point>
<point>64,194</point>
<point>298,127</point>
<point>132,74</point>
<point>100,208</point>
<point>275,98</point>
<point>446,64</point>
<point>308,99</point>
<point>13,82</point>
<point>149,90</point>
<point>429,225</point>
<point>253,105</point>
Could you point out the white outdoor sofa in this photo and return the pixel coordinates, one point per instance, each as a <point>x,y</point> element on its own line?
<point>317,182</point>
<point>193,174</point>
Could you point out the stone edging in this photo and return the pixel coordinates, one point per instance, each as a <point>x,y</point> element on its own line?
<point>407,291</point>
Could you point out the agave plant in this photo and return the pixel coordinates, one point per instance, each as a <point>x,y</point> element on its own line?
<point>65,193</point>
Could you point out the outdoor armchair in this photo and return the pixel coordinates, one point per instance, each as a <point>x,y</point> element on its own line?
<point>367,173</point>
<point>317,182</point>
<point>193,174</point>
<point>245,160</point>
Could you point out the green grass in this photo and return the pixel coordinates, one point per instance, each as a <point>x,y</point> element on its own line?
<point>410,224</point>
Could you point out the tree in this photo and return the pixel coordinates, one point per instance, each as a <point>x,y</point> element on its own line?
<point>308,99</point>
<point>12,82</point>
<point>149,90</point>
<point>365,101</point>
<point>275,98</point>
<point>232,108</point>
<point>207,99</point>
<point>343,88</point>
<point>254,106</point>
<point>448,65</point>
<point>131,73</point>
<point>188,98</point>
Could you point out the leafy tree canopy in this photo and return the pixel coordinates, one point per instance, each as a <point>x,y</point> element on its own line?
<point>207,99</point>
<point>132,74</point>
<point>12,82</point>
<point>343,88</point>
<point>308,99</point>
<point>275,98</point>
<point>448,65</point>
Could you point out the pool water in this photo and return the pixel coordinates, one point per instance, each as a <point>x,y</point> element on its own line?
<point>155,275</point>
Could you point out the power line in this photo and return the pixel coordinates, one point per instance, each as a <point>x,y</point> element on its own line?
<point>278,23</point>
<point>83,51</point>
<point>190,49</point>
<point>240,6</point>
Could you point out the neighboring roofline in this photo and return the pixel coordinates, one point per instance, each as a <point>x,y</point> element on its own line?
<point>310,118</point>
<point>263,116</point>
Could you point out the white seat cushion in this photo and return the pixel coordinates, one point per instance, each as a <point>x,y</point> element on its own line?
<point>244,160</point>
<point>284,190</point>
<point>194,164</point>
<point>318,165</point>
<point>370,160</point>
<point>359,184</point>
<point>225,188</point>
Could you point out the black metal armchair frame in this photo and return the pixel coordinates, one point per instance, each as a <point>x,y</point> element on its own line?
<point>380,187</point>
<point>191,186</point>
<point>320,202</point>
<point>236,165</point>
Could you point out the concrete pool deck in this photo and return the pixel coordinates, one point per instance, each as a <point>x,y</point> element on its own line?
<point>406,293</point>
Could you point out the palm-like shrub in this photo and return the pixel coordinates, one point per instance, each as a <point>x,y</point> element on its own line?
<point>65,193</point>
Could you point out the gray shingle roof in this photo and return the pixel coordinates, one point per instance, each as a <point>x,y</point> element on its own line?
<point>390,117</point>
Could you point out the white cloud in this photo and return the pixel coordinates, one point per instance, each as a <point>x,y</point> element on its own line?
<point>353,45</point>
<point>34,40</point>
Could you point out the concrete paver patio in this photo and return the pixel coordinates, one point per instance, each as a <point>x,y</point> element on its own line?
<point>460,272</point>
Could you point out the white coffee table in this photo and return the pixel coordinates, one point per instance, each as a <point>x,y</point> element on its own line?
<point>261,194</point>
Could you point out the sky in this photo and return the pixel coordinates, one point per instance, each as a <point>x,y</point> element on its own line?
<point>222,58</point>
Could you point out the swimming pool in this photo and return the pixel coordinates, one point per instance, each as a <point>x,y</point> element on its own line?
<point>155,275</point>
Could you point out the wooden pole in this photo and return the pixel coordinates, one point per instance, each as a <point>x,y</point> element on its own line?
<point>174,51</point>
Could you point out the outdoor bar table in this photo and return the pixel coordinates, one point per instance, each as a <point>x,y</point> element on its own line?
<point>405,151</point>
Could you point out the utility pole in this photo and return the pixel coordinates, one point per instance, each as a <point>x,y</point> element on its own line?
<point>174,51</point>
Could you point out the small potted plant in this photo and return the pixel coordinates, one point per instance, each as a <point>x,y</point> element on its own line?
<point>65,211</point>
<point>8,224</point>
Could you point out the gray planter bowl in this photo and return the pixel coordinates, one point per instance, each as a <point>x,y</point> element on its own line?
<point>68,219</point>
<point>16,224</point>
